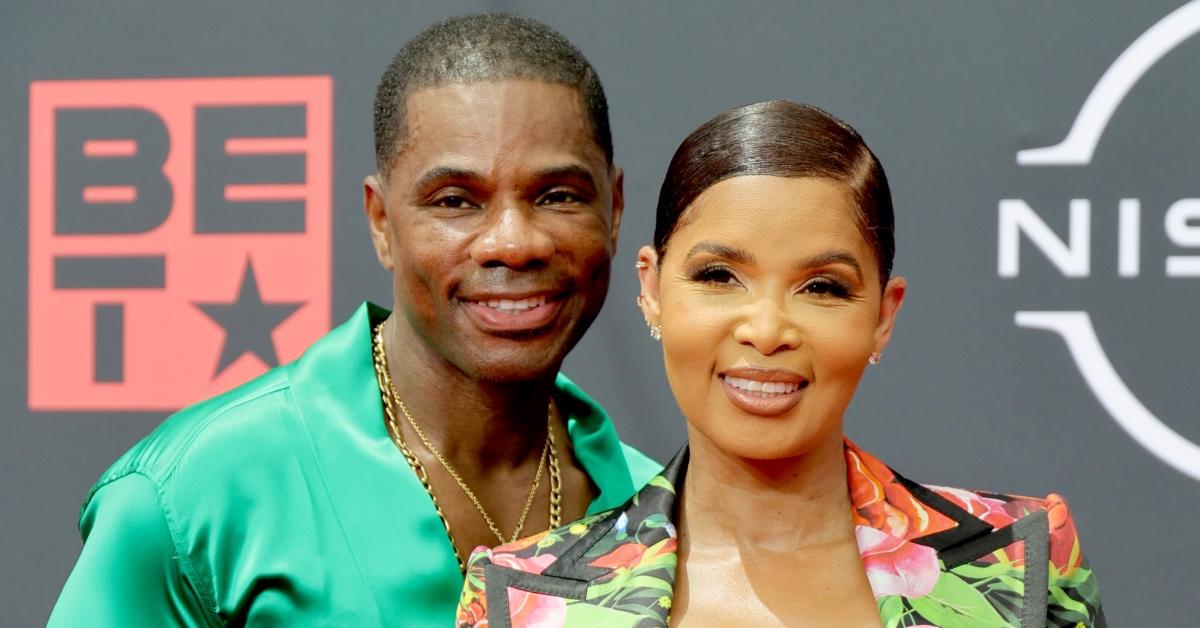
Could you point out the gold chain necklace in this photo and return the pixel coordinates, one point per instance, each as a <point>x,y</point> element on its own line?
<point>391,400</point>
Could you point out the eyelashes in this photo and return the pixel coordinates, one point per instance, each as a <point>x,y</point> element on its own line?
<point>713,274</point>
<point>826,286</point>
<point>721,275</point>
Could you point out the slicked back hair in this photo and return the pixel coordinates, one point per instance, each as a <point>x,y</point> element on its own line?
<point>784,139</point>
<point>482,48</point>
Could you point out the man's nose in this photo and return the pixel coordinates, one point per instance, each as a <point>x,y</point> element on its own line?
<point>512,238</point>
<point>767,326</point>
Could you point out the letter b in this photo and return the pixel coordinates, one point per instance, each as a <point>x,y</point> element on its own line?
<point>108,171</point>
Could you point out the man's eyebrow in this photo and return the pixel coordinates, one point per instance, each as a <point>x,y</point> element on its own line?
<point>832,256</point>
<point>445,173</point>
<point>569,171</point>
<point>724,251</point>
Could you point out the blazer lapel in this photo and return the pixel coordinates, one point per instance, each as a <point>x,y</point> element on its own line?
<point>933,556</point>
<point>948,557</point>
<point>613,569</point>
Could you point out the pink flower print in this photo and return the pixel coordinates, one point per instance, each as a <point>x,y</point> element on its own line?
<point>535,610</point>
<point>534,565</point>
<point>993,511</point>
<point>895,566</point>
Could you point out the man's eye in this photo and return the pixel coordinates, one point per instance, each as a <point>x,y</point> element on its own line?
<point>452,201</point>
<point>559,197</point>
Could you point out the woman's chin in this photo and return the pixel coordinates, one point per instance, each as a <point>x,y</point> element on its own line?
<point>759,443</point>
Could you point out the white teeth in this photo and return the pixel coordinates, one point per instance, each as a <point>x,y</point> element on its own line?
<point>762,389</point>
<point>510,306</point>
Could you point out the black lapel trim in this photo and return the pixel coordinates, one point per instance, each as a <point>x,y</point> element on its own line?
<point>570,563</point>
<point>1034,530</point>
<point>499,579</point>
<point>674,470</point>
<point>569,577</point>
<point>969,526</point>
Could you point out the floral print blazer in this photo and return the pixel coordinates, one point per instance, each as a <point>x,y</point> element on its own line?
<point>934,556</point>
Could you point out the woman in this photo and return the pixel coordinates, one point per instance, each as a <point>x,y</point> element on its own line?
<point>770,286</point>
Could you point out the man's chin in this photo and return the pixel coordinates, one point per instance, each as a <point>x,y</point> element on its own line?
<point>513,357</point>
<point>514,372</point>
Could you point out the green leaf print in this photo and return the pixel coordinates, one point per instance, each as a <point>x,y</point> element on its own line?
<point>584,614</point>
<point>954,603</point>
<point>662,483</point>
<point>891,606</point>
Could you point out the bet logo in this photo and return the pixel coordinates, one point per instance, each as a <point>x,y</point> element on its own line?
<point>179,235</point>
<point>1071,255</point>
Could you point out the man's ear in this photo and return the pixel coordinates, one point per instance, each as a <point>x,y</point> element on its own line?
<point>375,207</point>
<point>889,306</point>
<point>618,204</point>
<point>648,278</point>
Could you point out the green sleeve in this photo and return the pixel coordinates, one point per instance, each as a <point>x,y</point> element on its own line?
<point>641,467</point>
<point>127,574</point>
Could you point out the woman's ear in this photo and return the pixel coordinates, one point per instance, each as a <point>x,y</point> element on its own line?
<point>647,270</point>
<point>889,306</point>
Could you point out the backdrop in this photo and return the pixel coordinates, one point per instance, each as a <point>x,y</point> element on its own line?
<point>182,207</point>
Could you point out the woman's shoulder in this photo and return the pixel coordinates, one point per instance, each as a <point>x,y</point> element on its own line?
<point>1004,510</point>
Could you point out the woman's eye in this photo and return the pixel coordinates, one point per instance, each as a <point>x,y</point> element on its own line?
<point>825,287</point>
<point>716,275</point>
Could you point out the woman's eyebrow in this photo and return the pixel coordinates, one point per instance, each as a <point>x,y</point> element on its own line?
<point>725,251</point>
<point>832,256</point>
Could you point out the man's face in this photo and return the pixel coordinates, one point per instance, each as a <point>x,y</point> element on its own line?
<point>498,220</point>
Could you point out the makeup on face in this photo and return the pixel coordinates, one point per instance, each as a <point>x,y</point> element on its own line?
<point>769,303</point>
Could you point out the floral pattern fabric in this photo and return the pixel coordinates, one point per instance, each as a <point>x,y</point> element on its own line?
<point>934,556</point>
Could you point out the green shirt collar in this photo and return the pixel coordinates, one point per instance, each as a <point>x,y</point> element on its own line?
<point>336,374</point>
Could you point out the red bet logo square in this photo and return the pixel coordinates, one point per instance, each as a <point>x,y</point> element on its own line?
<point>179,235</point>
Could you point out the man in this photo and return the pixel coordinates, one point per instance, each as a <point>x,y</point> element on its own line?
<point>347,487</point>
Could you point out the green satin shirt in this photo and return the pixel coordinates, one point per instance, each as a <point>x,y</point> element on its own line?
<point>284,502</point>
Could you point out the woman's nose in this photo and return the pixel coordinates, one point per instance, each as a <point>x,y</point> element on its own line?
<point>767,327</point>
<point>512,238</point>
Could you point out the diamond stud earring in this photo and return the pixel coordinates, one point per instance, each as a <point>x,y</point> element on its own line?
<point>875,357</point>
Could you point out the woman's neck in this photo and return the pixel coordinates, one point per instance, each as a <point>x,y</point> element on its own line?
<point>773,506</point>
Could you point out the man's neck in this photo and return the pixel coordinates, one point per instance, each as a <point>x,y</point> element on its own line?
<point>477,425</point>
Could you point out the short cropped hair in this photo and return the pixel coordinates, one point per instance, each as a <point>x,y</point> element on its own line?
<point>482,48</point>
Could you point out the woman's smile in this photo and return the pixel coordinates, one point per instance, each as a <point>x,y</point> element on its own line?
<point>763,392</point>
<point>771,283</point>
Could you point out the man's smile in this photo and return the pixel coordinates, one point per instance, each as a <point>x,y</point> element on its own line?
<point>509,313</point>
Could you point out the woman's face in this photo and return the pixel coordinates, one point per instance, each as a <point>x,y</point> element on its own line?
<point>770,304</point>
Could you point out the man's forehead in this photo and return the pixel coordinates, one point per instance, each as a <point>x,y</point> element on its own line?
<point>510,124</point>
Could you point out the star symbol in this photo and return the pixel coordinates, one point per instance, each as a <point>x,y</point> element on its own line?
<point>248,323</point>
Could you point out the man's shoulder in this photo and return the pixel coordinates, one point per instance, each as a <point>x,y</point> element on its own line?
<point>213,437</point>
<point>248,426</point>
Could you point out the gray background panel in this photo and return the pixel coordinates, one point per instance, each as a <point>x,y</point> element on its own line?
<point>946,93</point>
